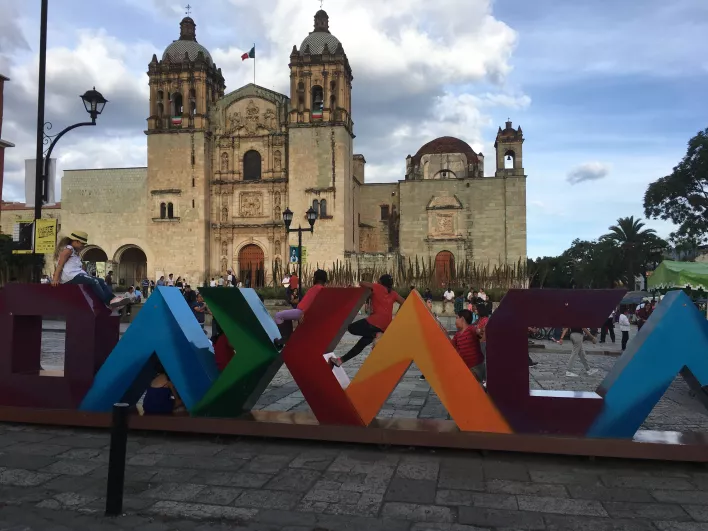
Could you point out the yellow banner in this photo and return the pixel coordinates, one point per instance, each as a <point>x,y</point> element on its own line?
<point>45,237</point>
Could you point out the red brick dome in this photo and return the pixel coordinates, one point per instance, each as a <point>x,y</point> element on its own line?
<point>446,144</point>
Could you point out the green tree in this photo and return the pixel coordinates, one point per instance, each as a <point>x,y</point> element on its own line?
<point>638,247</point>
<point>682,197</point>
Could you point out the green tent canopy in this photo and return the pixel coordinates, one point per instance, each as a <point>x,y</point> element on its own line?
<point>679,275</point>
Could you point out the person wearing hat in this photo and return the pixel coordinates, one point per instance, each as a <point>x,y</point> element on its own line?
<point>69,270</point>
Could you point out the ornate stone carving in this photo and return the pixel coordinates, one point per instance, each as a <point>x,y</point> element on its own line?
<point>278,141</point>
<point>224,265</point>
<point>224,162</point>
<point>225,215</point>
<point>276,199</point>
<point>444,225</point>
<point>252,118</point>
<point>224,248</point>
<point>269,119</point>
<point>277,247</point>
<point>277,161</point>
<point>251,204</point>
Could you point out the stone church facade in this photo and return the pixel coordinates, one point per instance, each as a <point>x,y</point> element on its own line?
<point>222,168</point>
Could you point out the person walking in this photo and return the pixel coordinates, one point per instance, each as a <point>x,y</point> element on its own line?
<point>608,325</point>
<point>576,337</point>
<point>624,327</point>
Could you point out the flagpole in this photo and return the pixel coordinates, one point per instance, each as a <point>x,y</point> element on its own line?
<point>254,63</point>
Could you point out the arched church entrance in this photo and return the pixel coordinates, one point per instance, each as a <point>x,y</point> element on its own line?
<point>251,264</point>
<point>95,261</point>
<point>130,266</point>
<point>444,267</point>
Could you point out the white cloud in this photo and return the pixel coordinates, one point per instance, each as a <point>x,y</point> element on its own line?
<point>588,171</point>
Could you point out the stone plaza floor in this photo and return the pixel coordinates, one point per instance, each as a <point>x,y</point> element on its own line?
<point>412,398</point>
<point>55,480</point>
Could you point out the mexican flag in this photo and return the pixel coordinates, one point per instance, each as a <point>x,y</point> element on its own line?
<point>249,55</point>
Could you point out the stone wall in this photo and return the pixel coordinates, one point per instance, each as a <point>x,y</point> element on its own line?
<point>374,235</point>
<point>464,216</point>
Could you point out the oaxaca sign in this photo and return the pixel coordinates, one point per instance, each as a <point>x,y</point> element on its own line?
<point>100,371</point>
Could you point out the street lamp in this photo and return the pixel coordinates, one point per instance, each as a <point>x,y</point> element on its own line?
<point>288,219</point>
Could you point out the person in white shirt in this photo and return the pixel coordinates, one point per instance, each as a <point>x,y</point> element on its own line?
<point>230,277</point>
<point>448,298</point>
<point>212,284</point>
<point>624,327</point>
<point>482,295</point>
<point>170,280</point>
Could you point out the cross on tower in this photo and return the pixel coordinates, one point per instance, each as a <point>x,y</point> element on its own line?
<point>321,3</point>
<point>189,10</point>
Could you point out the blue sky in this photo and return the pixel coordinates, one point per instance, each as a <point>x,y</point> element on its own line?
<point>608,92</point>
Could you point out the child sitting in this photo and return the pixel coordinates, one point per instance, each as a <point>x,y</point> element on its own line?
<point>161,398</point>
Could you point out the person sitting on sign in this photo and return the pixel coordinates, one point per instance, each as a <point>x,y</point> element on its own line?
<point>161,397</point>
<point>69,270</point>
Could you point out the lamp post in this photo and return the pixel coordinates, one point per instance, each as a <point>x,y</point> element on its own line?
<point>93,102</point>
<point>288,219</point>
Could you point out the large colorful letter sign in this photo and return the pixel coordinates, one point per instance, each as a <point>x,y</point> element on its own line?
<point>91,334</point>
<point>562,412</point>
<point>674,340</point>
<point>324,324</point>
<point>415,335</point>
<point>166,326</point>
<point>247,325</point>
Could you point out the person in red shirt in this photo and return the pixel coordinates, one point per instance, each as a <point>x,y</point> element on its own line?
<point>382,299</point>
<point>467,345</point>
<point>318,283</point>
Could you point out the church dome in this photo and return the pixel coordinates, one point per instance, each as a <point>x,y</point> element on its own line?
<point>447,144</point>
<point>320,36</point>
<point>187,43</point>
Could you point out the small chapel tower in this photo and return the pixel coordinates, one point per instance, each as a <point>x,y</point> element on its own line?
<point>509,146</point>
<point>321,144</point>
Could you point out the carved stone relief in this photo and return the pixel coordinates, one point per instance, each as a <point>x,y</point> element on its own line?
<point>224,265</point>
<point>269,119</point>
<point>224,248</point>
<point>277,160</point>
<point>276,199</point>
<point>224,162</point>
<point>252,118</point>
<point>444,225</point>
<point>225,215</point>
<point>251,204</point>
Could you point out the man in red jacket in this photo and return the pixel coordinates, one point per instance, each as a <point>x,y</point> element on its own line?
<point>466,343</point>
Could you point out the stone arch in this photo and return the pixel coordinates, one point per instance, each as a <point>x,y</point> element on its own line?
<point>444,267</point>
<point>252,165</point>
<point>509,159</point>
<point>130,265</point>
<point>95,260</point>
<point>251,265</point>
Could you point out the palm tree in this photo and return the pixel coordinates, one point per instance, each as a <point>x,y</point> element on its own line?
<point>634,241</point>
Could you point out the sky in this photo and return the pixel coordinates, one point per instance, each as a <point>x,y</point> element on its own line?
<point>608,92</point>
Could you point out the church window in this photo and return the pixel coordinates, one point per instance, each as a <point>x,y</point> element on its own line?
<point>163,210</point>
<point>160,110</point>
<point>509,160</point>
<point>323,208</point>
<point>160,95</point>
<point>192,102</point>
<point>317,102</point>
<point>192,203</point>
<point>384,213</point>
<point>170,211</point>
<point>316,207</point>
<point>252,166</point>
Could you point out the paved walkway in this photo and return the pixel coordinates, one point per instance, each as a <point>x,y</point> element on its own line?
<point>55,479</point>
<point>413,398</point>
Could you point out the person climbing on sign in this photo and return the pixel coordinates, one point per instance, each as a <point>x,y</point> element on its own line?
<point>69,270</point>
<point>319,280</point>
<point>382,299</point>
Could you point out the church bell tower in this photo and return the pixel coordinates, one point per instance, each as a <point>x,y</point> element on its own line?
<point>321,137</point>
<point>184,86</point>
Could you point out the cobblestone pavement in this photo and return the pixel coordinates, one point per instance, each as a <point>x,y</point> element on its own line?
<point>55,479</point>
<point>412,398</point>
